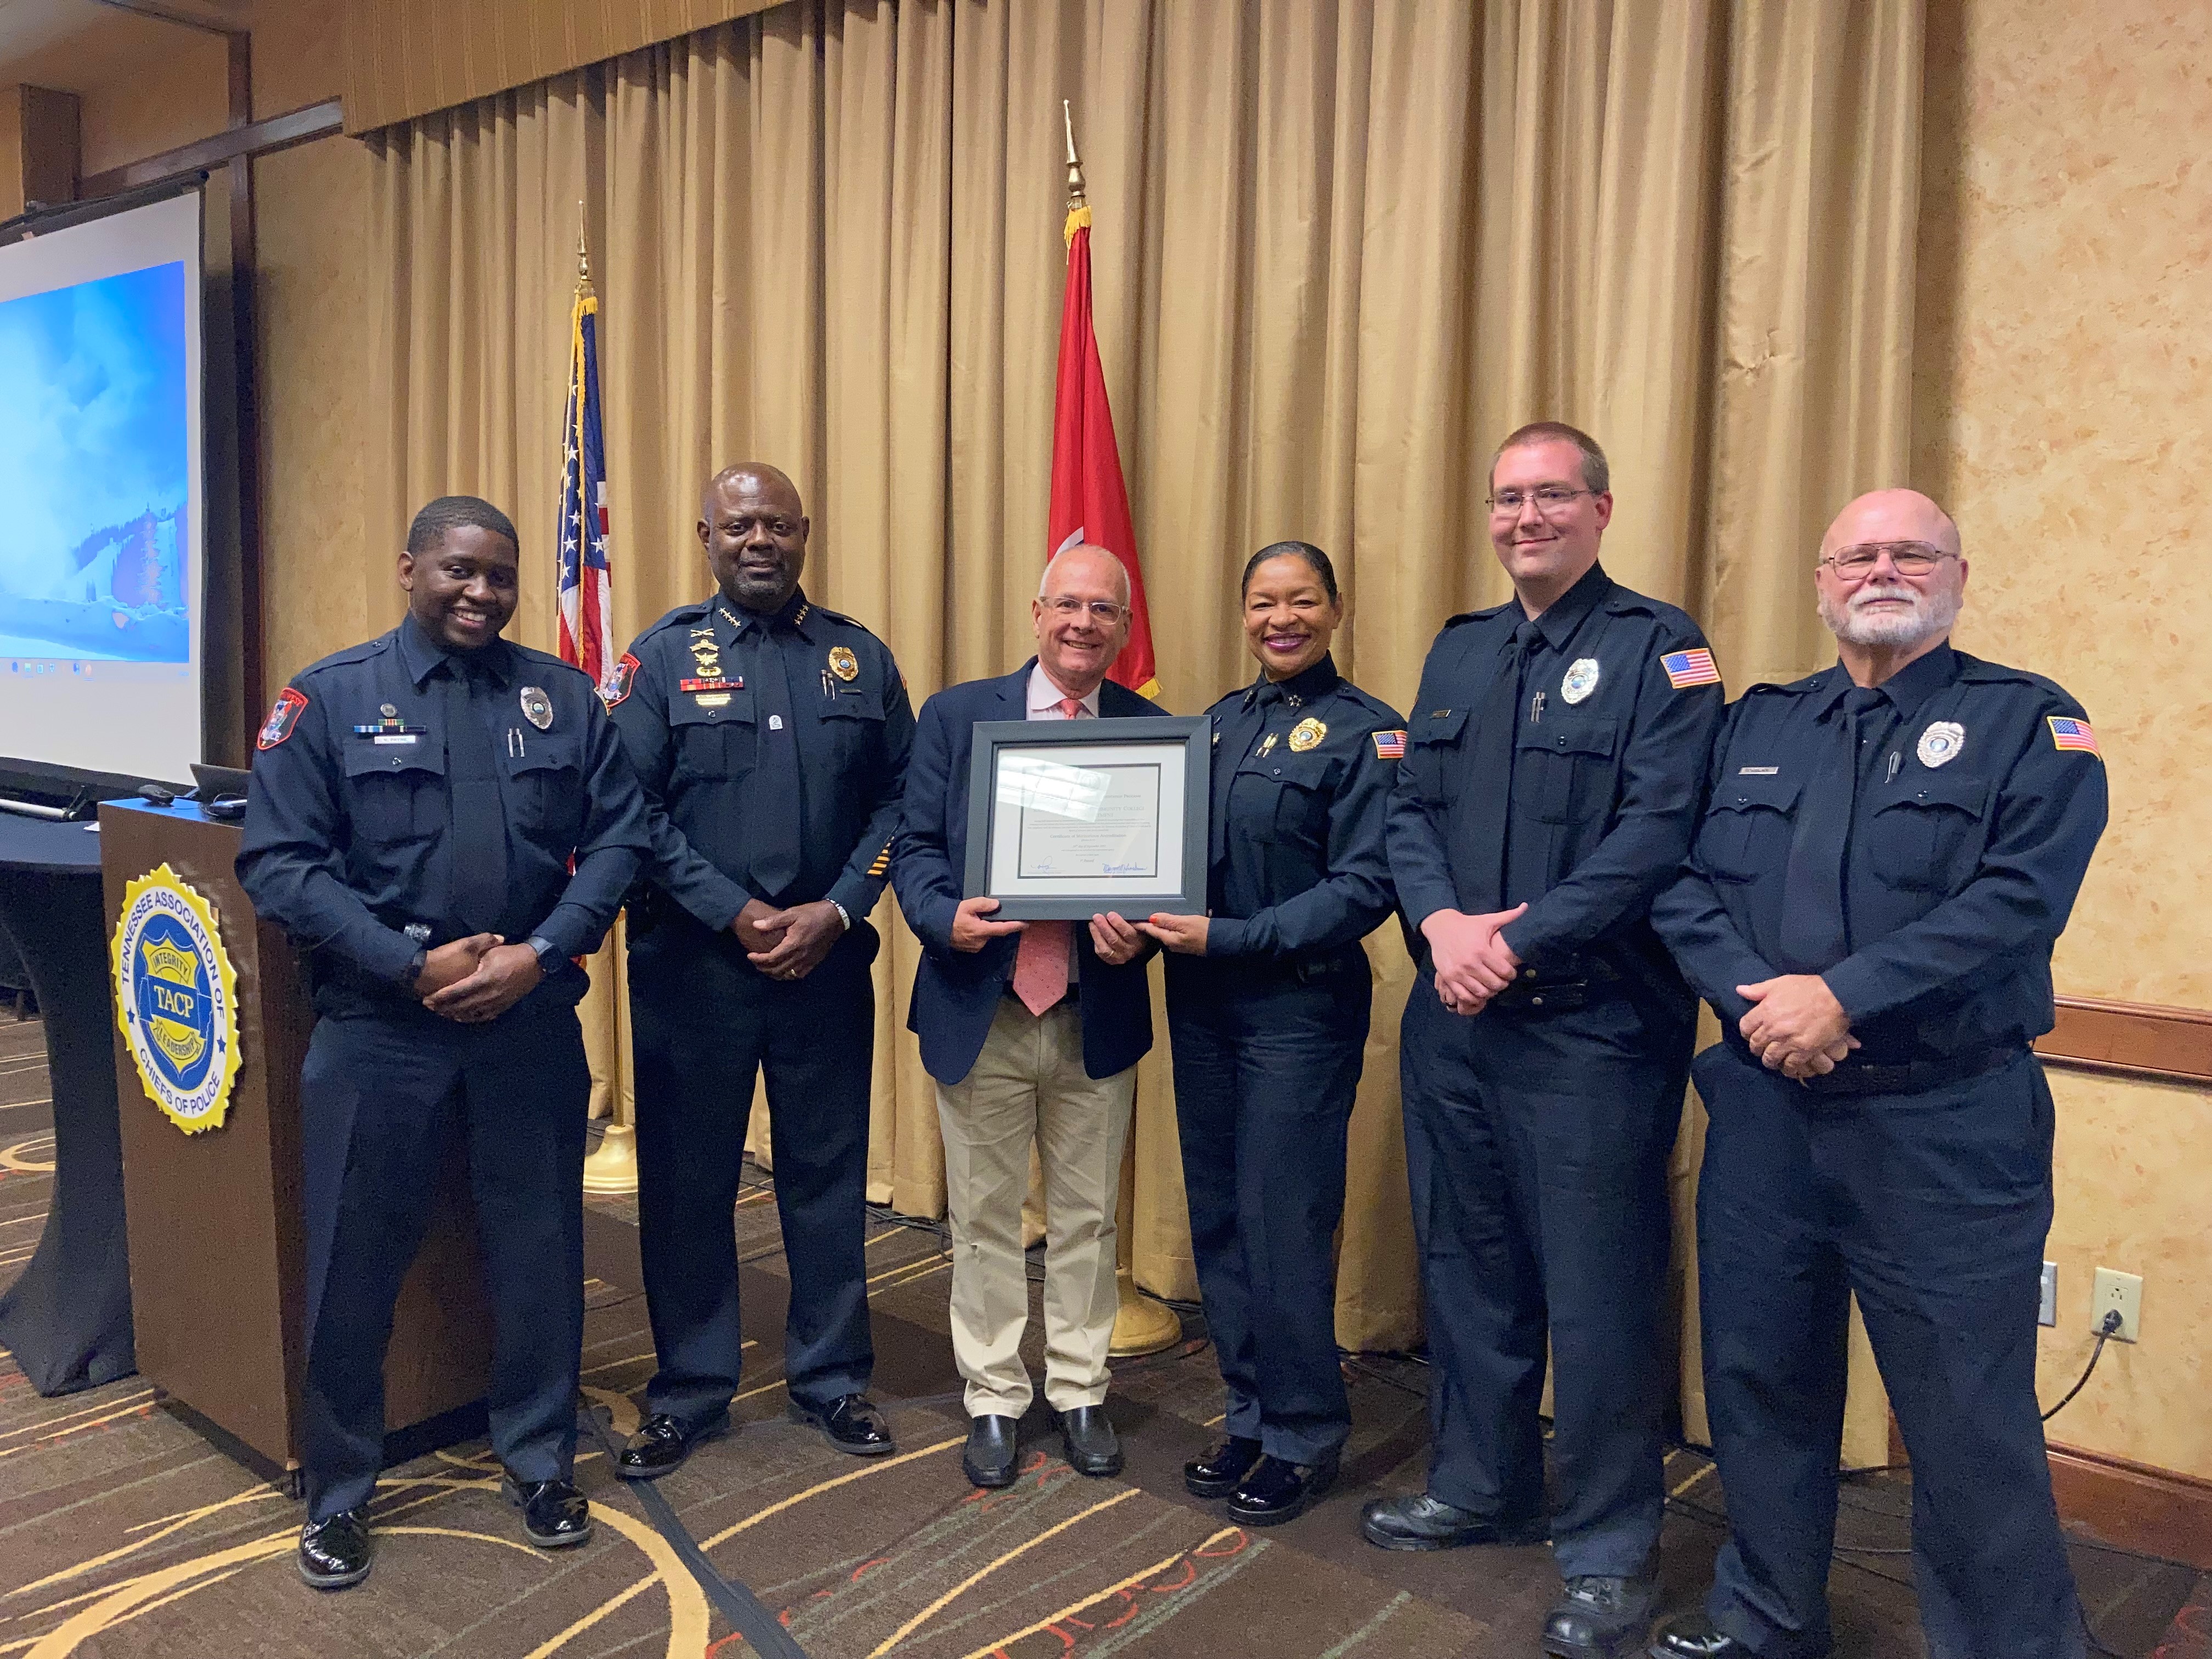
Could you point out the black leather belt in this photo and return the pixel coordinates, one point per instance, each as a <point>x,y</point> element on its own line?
<point>1901,1078</point>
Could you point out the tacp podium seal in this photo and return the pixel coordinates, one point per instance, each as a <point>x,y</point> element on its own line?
<point>176,999</point>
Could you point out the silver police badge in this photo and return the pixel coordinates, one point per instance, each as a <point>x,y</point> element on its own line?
<point>536,707</point>
<point>1941,743</point>
<point>1581,679</point>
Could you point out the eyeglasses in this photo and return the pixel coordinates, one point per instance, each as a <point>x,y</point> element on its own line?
<point>1906,558</point>
<point>1104,612</point>
<point>1549,499</point>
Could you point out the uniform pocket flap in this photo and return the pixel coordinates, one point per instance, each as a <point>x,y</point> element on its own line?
<point>374,756</point>
<point>853,705</point>
<point>1962,794</point>
<point>1742,794</point>
<point>1563,735</point>
<point>695,708</point>
<point>1437,725</point>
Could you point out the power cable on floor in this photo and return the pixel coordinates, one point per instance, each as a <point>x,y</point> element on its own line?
<point>738,1604</point>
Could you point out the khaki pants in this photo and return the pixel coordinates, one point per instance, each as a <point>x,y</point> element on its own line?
<point>1029,1084</point>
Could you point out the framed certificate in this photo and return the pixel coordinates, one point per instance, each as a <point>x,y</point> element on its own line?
<point>1066,818</point>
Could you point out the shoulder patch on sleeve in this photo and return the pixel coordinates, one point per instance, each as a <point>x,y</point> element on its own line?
<point>618,683</point>
<point>1687,668</point>
<point>2067,732</point>
<point>282,718</point>
<point>1390,746</point>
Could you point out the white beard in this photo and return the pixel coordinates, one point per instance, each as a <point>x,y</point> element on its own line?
<point>1931,614</point>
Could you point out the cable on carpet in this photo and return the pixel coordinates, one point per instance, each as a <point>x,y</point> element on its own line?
<point>738,1604</point>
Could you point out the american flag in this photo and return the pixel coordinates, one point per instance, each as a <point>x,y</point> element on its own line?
<point>1389,745</point>
<point>1687,668</point>
<point>2070,733</point>
<point>584,580</point>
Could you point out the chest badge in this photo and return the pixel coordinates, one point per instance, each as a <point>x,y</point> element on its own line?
<point>1580,680</point>
<point>1941,743</point>
<point>844,664</point>
<point>1307,734</point>
<point>536,707</point>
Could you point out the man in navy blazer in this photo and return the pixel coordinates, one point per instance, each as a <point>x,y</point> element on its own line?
<point>1032,1031</point>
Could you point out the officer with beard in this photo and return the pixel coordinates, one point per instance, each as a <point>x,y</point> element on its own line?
<point>1889,851</point>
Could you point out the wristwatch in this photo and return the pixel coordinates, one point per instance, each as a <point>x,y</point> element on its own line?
<point>548,954</point>
<point>842,915</point>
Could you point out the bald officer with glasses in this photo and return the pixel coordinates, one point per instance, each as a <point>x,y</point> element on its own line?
<point>1554,762</point>
<point>1890,850</point>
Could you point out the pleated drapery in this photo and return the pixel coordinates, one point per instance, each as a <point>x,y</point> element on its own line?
<point>1342,247</point>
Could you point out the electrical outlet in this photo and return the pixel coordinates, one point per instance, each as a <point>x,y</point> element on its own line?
<point>2120,1292</point>
<point>2047,1312</point>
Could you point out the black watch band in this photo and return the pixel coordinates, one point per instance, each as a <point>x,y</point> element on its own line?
<point>549,953</point>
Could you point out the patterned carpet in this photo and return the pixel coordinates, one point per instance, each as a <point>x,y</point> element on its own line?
<point>123,1532</point>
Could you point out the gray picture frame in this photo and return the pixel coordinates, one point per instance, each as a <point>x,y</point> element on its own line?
<point>1191,733</point>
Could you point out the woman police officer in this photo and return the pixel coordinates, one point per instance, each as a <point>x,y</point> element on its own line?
<point>1267,999</point>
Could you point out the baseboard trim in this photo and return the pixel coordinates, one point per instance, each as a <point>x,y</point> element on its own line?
<point>2133,1506</point>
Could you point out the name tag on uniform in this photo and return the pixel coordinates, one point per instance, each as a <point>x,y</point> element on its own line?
<point>1759,771</point>
<point>392,732</point>
<point>397,737</point>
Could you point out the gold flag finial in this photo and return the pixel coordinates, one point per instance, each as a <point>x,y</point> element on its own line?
<point>1075,195</point>
<point>583,251</point>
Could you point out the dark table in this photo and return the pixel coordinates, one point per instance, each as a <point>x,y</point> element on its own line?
<point>67,1320</point>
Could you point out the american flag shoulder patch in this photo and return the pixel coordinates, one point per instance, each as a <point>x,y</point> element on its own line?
<point>1687,668</point>
<point>2067,732</point>
<point>1389,745</point>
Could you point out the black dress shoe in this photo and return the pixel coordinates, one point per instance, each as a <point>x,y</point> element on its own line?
<point>992,1452</point>
<point>334,1552</point>
<point>851,1424</point>
<point>1088,1439</point>
<point>662,1443</point>
<point>1600,1617</point>
<point>1692,1635</point>
<point>1419,1521</point>
<point>1216,1475</point>
<point>1275,1492</point>
<point>555,1515</point>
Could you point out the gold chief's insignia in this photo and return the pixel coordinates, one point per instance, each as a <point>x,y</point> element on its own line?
<point>844,664</point>
<point>1306,734</point>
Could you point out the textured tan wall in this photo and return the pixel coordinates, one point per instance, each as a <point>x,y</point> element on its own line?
<point>2064,412</point>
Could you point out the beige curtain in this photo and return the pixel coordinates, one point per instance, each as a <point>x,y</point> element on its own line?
<point>1342,248</point>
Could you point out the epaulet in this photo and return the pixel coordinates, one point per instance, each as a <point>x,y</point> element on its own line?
<point>1384,714</point>
<point>548,661</point>
<point>839,616</point>
<point>364,651</point>
<point>1997,673</point>
<point>684,614</point>
<point>1474,616</point>
<point>1789,687</point>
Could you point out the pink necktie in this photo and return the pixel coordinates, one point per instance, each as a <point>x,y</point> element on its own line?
<point>1040,960</point>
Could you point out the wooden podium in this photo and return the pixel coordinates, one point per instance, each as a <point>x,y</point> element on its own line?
<point>218,1256</point>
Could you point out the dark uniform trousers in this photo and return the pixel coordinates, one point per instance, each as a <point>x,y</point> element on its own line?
<point>1266,1067</point>
<point>1536,1149</point>
<point>1932,1207</point>
<point>382,1098</point>
<point>705,1024</point>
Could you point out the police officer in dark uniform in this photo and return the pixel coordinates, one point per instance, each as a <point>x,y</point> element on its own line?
<point>1891,848</point>
<point>417,803</point>
<point>1556,760</point>
<point>1268,1002</point>
<point>772,737</point>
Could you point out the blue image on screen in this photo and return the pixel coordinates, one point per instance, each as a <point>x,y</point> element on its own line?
<point>95,463</point>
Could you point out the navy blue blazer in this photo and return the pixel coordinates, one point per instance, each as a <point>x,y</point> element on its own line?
<point>957,994</point>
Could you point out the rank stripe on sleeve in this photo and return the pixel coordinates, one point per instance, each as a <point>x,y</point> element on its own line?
<point>1687,668</point>
<point>1389,745</point>
<point>2067,732</point>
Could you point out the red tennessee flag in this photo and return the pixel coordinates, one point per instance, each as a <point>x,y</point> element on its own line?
<point>1090,501</point>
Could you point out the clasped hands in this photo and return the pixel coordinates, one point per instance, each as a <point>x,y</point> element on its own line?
<point>1473,962</point>
<point>477,979</point>
<point>1116,941</point>
<point>1796,1025</point>
<point>787,944</point>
